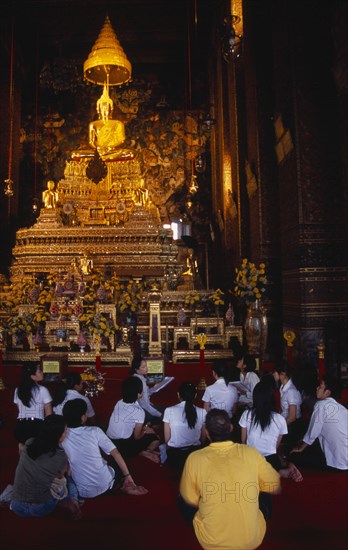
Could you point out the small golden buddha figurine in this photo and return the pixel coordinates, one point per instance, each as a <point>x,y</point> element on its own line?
<point>189,261</point>
<point>86,265</point>
<point>49,196</point>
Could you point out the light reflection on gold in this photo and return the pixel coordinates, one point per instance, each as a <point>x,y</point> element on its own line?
<point>236,8</point>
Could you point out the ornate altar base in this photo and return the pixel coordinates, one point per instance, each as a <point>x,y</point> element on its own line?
<point>116,358</point>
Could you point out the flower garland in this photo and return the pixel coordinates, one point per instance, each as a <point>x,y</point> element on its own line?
<point>250,281</point>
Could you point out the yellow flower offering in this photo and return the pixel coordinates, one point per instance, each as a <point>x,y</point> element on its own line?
<point>250,281</point>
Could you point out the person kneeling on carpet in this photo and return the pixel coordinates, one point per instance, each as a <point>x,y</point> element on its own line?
<point>71,388</point>
<point>126,427</point>
<point>263,428</point>
<point>90,471</point>
<point>325,444</point>
<point>183,426</point>
<point>139,370</point>
<point>40,484</point>
<point>219,489</point>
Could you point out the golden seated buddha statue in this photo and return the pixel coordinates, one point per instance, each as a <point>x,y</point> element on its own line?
<point>105,134</point>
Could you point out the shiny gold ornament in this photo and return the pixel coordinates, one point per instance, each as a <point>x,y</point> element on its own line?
<point>107,62</point>
<point>9,189</point>
<point>321,350</point>
<point>193,186</point>
<point>202,340</point>
<point>289,337</point>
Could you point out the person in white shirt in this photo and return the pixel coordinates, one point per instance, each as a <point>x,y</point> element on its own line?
<point>263,429</point>
<point>290,397</point>
<point>71,388</point>
<point>325,444</point>
<point>248,377</point>
<point>183,426</point>
<point>34,403</point>
<point>290,404</point>
<point>89,470</point>
<point>139,368</point>
<point>126,425</point>
<point>221,395</point>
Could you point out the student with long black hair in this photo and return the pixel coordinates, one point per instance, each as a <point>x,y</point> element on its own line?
<point>263,429</point>
<point>34,402</point>
<point>183,426</point>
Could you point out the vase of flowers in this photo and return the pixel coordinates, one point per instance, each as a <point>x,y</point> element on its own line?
<point>99,325</point>
<point>250,288</point>
<point>256,328</point>
<point>21,328</point>
<point>250,282</point>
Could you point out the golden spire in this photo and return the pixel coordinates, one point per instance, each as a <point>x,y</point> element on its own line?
<point>107,60</point>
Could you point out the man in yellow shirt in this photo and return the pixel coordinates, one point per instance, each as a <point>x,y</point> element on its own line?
<point>222,483</point>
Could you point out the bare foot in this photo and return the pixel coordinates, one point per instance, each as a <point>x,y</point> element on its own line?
<point>134,490</point>
<point>151,455</point>
<point>73,508</point>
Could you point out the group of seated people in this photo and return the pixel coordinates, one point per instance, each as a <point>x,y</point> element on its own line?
<point>62,450</point>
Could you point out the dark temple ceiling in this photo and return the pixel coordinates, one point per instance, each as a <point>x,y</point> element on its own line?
<point>159,36</point>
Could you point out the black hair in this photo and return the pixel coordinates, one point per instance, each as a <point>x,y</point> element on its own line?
<point>73,410</point>
<point>286,368</point>
<point>307,379</point>
<point>249,362</point>
<point>263,405</point>
<point>136,362</point>
<point>47,441</point>
<point>221,370</point>
<point>130,389</point>
<point>334,385</point>
<point>268,381</point>
<point>187,393</point>
<point>218,425</point>
<point>72,379</point>
<point>237,349</point>
<point>27,386</point>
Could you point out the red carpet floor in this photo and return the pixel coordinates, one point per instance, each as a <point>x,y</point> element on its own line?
<point>308,515</point>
